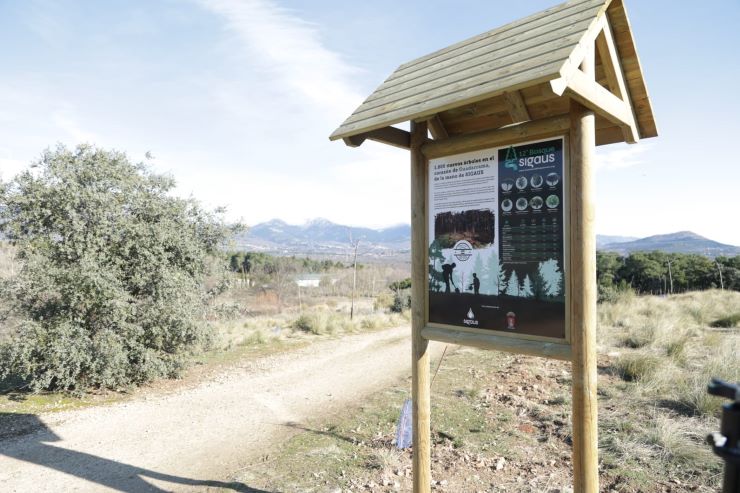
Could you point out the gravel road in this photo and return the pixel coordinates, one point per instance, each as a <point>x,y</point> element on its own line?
<point>194,439</point>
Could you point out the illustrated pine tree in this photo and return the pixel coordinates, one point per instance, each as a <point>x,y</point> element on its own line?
<point>436,259</point>
<point>495,276</point>
<point>513,288</point>
<point>477,268</point>
<point>527,291</point>
<point>539,290</point>
<point>552,277</point>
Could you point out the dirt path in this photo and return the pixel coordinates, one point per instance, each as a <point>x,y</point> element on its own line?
<point>194,439</point>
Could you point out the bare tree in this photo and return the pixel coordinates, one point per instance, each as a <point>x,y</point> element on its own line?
<point>354,276</point>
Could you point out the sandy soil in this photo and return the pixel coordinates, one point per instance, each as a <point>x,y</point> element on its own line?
<point>196,438</point>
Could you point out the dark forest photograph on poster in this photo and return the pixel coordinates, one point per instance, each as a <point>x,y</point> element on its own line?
<point>496,252</point>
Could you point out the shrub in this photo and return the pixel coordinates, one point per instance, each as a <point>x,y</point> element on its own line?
<point>401,301</point>
<point>384,300</point>
<point>727,322</point>
<point>637,365</point>
<point>111,288</point>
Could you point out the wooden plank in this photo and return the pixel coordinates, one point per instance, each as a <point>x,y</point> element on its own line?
<point>427,107</point>
<point>474,89</point>
<point>581,304</point>
<point>547,16</point>
<point>517,108</point>
<point>590,94</point>
<point>531,130</point>
<point>532,96</point>
<point>488,106</point>
<point>615,78</point>
<point>420,383</point>
<point>584,46</point>
<point>479,86</point>
<point>544,36</point>
<point>609,135</point>
<point>627,51</point>
<point>478,124</point>
<point>548,108</point>
<point>454,83</point>
<point>499,343</point>
<point>516,63</point>
<point>386,135</point>
<point>437,128</point>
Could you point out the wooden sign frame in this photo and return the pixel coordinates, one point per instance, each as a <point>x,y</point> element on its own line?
<point>488,92</point>
<point>486,338</point>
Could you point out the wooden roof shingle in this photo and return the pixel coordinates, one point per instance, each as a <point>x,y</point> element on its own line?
<point>540,48</point>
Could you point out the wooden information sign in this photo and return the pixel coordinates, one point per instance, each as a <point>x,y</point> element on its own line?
<point>503,252</point>
<point>496,241</point>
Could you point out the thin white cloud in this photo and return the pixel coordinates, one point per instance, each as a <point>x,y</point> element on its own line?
<point>289,51</point>
<point>621,157</point>
<point>68,124</point>
<point>10,167</point>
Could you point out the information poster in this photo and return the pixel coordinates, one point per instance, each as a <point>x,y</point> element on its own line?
<point>496,250</point>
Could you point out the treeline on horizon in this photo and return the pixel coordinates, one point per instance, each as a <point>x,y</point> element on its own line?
<point>265,263</point>
<point>659,272</point>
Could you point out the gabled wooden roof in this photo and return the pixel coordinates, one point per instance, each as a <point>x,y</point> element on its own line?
<point>515,73</point>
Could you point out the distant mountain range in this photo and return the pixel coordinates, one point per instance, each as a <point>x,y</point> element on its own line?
<point>323,237</point>
<point>681,242</point>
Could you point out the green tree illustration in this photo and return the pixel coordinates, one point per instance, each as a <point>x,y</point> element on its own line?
<point>512,286</point>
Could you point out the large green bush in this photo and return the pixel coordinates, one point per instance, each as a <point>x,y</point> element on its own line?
<point>111,290</point>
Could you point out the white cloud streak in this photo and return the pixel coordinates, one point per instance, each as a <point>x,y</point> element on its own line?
<point>299,90</point>
<point>621,157</point>
<point>289,50</point>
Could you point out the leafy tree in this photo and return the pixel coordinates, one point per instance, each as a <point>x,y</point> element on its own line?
<point>111,291</point>
<point>645,271</point>
<point>400,285</point>
<point>607,265</point>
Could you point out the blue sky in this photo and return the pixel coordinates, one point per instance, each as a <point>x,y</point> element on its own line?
<point>236,99</point>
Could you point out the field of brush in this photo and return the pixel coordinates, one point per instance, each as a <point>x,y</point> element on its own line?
<point>501,422</point>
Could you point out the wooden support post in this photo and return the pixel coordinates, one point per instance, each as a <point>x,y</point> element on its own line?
<point>419,345</point>
<point>582,299</point>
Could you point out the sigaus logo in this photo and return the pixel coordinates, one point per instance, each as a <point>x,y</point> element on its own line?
<point>511,159</point>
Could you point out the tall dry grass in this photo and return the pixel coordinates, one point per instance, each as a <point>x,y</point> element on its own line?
<point>668,347</point>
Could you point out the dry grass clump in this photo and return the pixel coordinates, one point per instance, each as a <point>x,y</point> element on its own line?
<point>330,323</point>
<point>638,365</point>
<point>667,348</point>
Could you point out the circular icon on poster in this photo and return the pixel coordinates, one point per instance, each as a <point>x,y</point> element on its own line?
<point>463,250</point>
<point>536,181</point>
<point>536,203</point>
<point>553,201</point>
<point>521,182</point>
<point>507,205</point>
<point>521,203</point>
<point>552,179</point>
<point>507,185</point>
